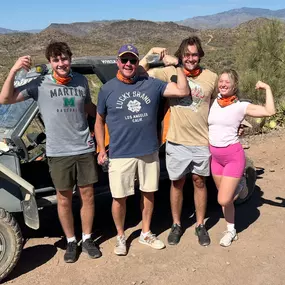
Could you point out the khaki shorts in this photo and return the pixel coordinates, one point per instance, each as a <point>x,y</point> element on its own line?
<point>122,173</point>
<point>67,171</point>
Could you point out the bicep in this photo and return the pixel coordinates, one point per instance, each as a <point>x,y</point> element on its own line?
<point>256,111</point>
<point>171,90</point>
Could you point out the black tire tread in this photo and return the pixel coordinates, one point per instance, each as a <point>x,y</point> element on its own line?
<point>10,221</point>
<point>249,164</point>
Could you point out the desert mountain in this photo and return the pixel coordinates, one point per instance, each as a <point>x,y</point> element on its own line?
<point>231,18</point>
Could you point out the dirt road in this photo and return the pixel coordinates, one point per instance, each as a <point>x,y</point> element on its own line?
<point>256,258</point>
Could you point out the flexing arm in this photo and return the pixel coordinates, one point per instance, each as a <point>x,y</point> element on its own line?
<point>100,137</point>
<point>179,89</point>
<point>10,95</point>
<point>262,111</point>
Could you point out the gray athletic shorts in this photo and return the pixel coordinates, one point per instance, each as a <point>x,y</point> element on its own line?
<point>182,159</point>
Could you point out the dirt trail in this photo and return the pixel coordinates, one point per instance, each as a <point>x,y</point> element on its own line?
<point>256,258</point>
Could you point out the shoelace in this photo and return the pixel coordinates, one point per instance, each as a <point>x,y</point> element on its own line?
<point>176,229</point>
<point>90,243</point>
<point>150,238</point>
<point>71,246</point>
<point>121,240</point>
<point>230,233</point>
<point>202,229</point>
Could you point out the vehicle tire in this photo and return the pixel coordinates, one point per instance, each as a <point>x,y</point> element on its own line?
<point>250,177</point>
<point>10,243</point>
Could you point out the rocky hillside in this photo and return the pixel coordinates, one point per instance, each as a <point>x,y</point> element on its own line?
<point>104,38</point>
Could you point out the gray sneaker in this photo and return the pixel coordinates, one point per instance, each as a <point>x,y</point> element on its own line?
<point>121,248</point>
<point>203,236</point>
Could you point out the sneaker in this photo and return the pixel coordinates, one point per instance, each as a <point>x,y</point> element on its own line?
<point>175,234</point>
<point>71,253</point>
<point>90,247</point>
<point>152,241</point>
<point>203,236</point>
<point>228,237</point>
<point>121,248</point>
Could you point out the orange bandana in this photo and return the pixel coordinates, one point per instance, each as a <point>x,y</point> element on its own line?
<point>192,73</point>
<point>226,101</point>
<point>124,79</point>
<point>61,80</point>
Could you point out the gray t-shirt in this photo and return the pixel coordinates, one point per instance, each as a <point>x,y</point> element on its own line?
<point>62,109</point>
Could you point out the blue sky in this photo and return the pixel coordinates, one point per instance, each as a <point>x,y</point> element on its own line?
<point>38,14</point>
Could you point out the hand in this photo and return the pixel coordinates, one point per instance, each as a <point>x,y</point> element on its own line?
<point>170,60</point>
<point>22,62</point>
<point>159,50</point>
<point>240,130</point>
<point>261,85</point>
<point>102,156</point>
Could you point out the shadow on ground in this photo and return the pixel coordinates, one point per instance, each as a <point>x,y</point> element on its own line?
<point>104,229</point>
<point>31,258</point>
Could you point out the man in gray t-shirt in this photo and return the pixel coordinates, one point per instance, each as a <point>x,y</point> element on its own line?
<point>64,99</point>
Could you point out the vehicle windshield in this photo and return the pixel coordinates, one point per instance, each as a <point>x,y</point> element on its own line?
<point>10,115</point>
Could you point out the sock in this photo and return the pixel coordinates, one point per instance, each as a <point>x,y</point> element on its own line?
<point>231,227</point>
<point>71,239</point>
<point>85,237</point>
<point>145,234</point>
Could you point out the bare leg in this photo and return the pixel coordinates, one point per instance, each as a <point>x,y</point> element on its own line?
<point>226,196</point>
<point>64,208</point>
<point>200,197</point>
<point>87,208</point>
<point>147,204</point>
<point>119,214</point>
<point>176,199</point>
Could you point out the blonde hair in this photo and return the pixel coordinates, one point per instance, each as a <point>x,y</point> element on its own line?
<point>234,78</point>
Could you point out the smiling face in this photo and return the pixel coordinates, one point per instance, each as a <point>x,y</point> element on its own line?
<point>190,58</point>
<point>127,64</point>
<point>226,85</point>
<point>61,65</point>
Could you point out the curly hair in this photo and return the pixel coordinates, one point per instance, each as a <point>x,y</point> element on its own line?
<point>55,49</point>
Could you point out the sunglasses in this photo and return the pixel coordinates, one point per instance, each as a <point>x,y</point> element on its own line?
<point>124,60</point>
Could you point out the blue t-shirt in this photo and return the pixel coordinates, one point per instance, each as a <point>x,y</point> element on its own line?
<point>131,115</point>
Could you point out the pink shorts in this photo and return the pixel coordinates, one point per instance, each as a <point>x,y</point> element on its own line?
<point>228,161</point>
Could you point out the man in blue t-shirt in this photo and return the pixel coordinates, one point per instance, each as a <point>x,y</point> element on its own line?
<point>129,104</point>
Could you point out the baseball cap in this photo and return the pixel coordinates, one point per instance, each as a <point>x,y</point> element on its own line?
<point>128,49</point>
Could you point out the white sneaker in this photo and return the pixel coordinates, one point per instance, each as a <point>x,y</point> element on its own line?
<point>151,240</point>
<point>121,248</point>
<point>228,237</point>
